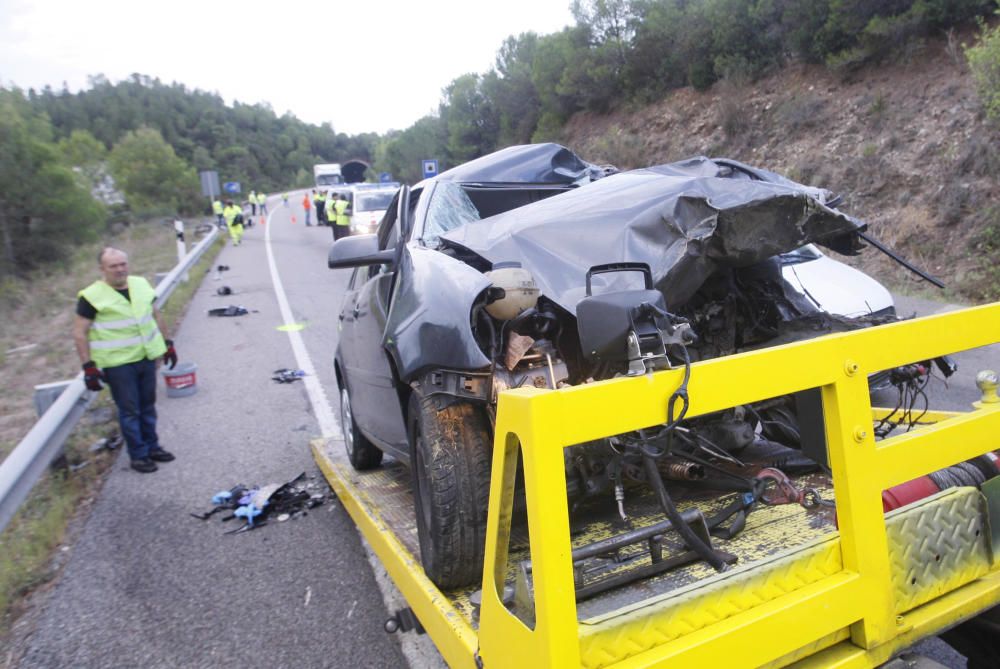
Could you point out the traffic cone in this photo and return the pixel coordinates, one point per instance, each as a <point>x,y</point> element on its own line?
<point>293,219</point>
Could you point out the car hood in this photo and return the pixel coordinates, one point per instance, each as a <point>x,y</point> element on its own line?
<point>525,164</point>
<point>684,220</point>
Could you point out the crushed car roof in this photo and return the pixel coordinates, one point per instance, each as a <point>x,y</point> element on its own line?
<point>528,164</point>
<point>684,219</point>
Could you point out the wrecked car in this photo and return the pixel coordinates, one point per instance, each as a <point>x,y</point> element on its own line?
<point>531,266</point>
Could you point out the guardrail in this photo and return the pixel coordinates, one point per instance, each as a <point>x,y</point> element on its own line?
<point>29,459</point>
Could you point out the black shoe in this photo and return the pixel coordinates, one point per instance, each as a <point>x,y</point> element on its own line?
<point>160,455</point>
<point>144,465</point>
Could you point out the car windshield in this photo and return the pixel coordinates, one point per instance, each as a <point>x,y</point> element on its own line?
<point>329,180</point>
<point>377,201</point>
<point>449,208</point>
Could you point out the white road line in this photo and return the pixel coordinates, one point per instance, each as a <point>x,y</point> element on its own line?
<point>418,650</point>
<point>328,424</point>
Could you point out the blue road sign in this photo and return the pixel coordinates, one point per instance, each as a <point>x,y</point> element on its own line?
<point>430,168</point>
<point>231,186</point>
<point>384,177</point>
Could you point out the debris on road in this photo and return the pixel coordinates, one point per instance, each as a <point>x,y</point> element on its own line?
<point>231,310</point>
<point>225,290</point>
<point>287,375</point>
<point>111,442</point>
<point>257,504</point>
<point>219,270</point>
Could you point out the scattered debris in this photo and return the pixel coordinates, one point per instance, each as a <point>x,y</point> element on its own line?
<point>21,349</point>
<point>255,505</point>
<point>287,375</point>
<point>309,594</point>
<point>225,290</point>
<point>231,310</point>
<point>111,442</point>
<point>219,270</point>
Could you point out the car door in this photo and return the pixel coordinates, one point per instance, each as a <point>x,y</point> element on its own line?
<point>377,407</point>
<point>346,350</point>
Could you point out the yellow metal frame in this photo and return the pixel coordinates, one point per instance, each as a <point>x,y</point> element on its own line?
<point>857,600</point>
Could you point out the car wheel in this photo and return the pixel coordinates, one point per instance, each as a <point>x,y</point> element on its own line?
<point>451,460</point>
<point>362,453</point>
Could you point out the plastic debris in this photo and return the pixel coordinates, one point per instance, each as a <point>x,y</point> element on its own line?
<point>287,375</point>
<point>256,505</point>
<point>225,290</point>
<point>231,310</point>
<point>219,270</point>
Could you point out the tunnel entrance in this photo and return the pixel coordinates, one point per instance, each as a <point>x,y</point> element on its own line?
<point>354,171</point>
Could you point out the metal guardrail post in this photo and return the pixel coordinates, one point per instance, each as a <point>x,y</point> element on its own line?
<point>32,455</point>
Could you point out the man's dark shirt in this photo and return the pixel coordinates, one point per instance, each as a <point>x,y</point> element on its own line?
<point>86,309</point>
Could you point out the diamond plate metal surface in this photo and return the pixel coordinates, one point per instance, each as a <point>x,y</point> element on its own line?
<point>936,545</point>
<point>730,593</point>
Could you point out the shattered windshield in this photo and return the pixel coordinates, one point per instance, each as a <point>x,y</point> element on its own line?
<point>449,208</point>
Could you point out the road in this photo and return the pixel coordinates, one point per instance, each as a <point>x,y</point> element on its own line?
<point>148,585</point>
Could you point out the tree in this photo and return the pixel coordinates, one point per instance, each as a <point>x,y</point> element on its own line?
<point>43,209</point>
<point>155,181</point>
<point>984,63</point>
<point>470,119</point>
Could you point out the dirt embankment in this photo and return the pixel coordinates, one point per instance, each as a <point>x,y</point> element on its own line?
<point>907,145</point>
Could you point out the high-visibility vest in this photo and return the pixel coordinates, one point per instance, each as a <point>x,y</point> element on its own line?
<point>216,207</point>
<point>342,218</point>
<point>252,198</point>
<point>261,198</point>
<point>123,330</point>
<point>230,213</point>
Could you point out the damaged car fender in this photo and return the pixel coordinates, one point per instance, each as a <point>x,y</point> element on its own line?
<point>429,320</point>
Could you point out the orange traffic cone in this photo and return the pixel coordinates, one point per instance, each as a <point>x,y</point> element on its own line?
<point>293,219</point>
<point>263,220</point>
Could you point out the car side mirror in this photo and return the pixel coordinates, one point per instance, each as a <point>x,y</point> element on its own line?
<point>358,251</point>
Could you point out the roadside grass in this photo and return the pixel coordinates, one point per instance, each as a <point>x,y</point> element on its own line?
<point>36,347</point>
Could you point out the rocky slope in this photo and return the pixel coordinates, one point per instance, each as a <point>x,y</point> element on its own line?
<point>906,144</point>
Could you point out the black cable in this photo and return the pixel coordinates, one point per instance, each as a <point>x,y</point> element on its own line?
<point>692,540</point>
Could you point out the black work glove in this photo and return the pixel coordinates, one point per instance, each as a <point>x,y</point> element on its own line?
<point>170,357</point>
<point>92,376</point>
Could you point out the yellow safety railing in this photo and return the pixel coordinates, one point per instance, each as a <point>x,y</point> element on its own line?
<point>541,423</point>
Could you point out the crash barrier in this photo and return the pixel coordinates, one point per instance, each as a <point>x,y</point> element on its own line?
<point>29,459</point>
<point>850,598</point>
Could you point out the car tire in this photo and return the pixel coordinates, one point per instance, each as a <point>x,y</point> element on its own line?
<point>450,461</point>
<point>362,453</point>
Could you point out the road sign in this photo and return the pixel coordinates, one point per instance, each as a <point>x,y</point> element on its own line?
<point>209,183</point>
<point>430,168</point>
<point>231,187</point>
<point>384,177</point>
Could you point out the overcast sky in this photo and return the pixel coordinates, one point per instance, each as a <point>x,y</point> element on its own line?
<point>364,66</point>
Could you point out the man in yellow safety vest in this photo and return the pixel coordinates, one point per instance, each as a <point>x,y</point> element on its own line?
<point>119,334</point>
<point>342,222</point>
<point>217,210</point>
<point>262,203</point>
<point>234,221</point>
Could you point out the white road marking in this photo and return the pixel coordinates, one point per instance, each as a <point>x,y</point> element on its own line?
<point>328,425</point>
<point>418,650</point>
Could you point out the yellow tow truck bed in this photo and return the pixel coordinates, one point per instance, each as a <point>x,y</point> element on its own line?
<point>811,587</point>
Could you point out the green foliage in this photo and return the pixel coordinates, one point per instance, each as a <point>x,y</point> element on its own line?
<point>44,211</point>
<point>984,62</point>
<point>469,119</point>
<point>202,129</point>
<point>155,181</point>
<point>401,152</point>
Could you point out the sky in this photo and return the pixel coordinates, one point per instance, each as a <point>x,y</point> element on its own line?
<point>362,66</point>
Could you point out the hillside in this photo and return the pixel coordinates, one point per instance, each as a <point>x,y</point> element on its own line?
<point>906,144</point>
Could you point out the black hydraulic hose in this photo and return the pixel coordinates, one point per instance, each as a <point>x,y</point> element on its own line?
<point>687,534</point>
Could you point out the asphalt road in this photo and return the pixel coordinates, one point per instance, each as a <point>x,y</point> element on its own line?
<point>149,586</point>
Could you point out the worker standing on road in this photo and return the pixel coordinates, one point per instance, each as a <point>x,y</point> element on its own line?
<point>342,222</point>
<point>262,201</point>
<point>217,210</point>
<point>284,199</point>
<point>234,221</point>
<point>119,334</point>
<point>253,203</point>
<point>320,202</point>
<point>307,205</point>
